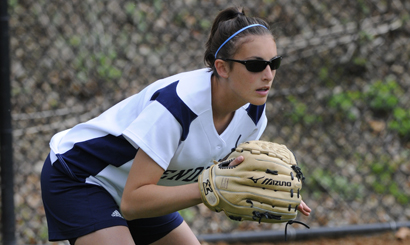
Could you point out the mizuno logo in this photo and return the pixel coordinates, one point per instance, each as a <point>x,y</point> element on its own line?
<point>268,181</point>
<point>207,187</point>
<point>256,180</point>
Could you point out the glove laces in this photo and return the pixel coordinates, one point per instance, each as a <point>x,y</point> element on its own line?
<point>258,215</point>
<point>292,222</point>
<point>299,173</point>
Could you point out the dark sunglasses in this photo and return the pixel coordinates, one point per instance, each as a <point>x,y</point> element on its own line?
<point>259,65</point>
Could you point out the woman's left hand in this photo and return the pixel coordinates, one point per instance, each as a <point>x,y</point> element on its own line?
<point>304,209</point>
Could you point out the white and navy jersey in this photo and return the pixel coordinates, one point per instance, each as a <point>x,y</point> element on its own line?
<point>171,120</point>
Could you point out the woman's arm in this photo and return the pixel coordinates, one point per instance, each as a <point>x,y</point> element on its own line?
<point>143,198</point>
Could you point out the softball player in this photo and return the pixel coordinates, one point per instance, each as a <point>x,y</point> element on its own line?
<point>121,178</point>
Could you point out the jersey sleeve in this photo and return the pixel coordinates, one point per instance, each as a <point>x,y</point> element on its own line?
<point>156,132</point>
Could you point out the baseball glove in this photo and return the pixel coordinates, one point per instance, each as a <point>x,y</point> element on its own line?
<point>265,187</point>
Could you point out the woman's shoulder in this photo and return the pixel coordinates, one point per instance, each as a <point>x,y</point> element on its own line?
<point>192,89</point>
<point>188,77</point>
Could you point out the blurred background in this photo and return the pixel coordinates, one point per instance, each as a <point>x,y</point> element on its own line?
<point>340,99</point>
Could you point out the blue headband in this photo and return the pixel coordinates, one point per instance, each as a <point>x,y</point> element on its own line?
<point>236,33</point>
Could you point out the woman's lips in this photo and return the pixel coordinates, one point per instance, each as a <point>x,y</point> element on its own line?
<point>263,91</point>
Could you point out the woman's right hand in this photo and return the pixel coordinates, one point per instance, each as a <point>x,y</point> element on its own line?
<point>238,160</point>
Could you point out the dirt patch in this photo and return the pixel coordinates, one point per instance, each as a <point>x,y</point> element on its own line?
<point>388,238</point>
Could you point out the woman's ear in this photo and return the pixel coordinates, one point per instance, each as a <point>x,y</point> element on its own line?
<point>222,67</point>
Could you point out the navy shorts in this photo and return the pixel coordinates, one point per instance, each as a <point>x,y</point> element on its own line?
<point>74,209</point>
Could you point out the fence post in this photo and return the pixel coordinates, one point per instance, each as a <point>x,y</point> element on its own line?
<point>7,173</point>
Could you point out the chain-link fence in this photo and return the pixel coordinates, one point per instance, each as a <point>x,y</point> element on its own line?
<point>340,100</point>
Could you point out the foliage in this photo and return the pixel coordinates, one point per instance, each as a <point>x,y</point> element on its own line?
<point>385,170</point>
<point>299,112</point>
<point>188,214</point>
<point>381,181</point>
<point>384,95</point>
<point>333,183</point>
<point>345,102</point>
<point>401,122</point>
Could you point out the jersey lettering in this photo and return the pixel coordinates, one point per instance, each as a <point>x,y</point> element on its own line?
<point>194,175</point>
<point>168,171</point>
<point>190,175</point>
<point>180,174</point>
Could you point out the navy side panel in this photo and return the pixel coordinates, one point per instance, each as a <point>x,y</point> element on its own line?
<point>169,98</point>
<point>91,156</point>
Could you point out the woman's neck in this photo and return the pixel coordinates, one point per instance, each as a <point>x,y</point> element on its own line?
<point>223,107</point>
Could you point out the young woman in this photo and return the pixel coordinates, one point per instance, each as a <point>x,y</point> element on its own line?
<point>121,178</point>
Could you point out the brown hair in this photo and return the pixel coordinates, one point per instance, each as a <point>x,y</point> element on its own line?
<point>226,23</point>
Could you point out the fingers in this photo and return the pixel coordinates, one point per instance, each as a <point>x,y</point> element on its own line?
<point>236,161</point>
<point>304,209</point>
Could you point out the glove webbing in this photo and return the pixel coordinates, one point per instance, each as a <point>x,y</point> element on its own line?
<point>267,215</point>
<point>272,216</point>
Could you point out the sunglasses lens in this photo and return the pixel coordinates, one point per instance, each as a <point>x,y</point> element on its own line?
<point>260,65</point>
<point>275,63</point>
<point>256,65</point>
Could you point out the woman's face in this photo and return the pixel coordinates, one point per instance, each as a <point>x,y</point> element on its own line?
<point>252,87</point>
